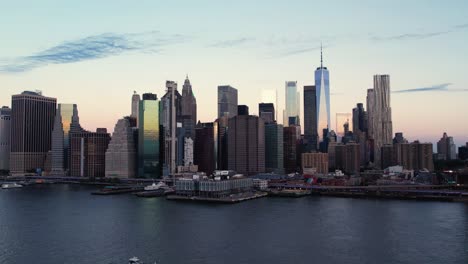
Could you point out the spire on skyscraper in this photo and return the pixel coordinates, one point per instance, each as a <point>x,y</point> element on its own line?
<point>321,56</point>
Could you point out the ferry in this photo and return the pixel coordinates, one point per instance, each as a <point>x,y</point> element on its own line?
<point>11,185</point>
<point>154,186</point>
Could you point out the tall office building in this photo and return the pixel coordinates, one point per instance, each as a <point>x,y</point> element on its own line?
<point>135,105</point>
<point>171,115</point>
<point>188,151</point>
<point>5,126</point>
<point>292,110</point>
<point>88,153</point>
<point>205,149</point>
<point>189,109</point>
<point>314,163</point>
<point>359,128</point>
<point>149,138</point>
<point>322,84</point>
<point>32,121</point>
<point>380,116</point>
<point>290,140</point>
<point>446,148</point>
<point>345,157</point>
<point>274,155</point>
<point>413,156</point>
<point>246,140</point>
<point>266,111</point>
<point>341,120</point>
<point>227,101</point>
<point>310,118</point>
<point>66,122</point>
<point>222,143</point>
<point>121,155</point>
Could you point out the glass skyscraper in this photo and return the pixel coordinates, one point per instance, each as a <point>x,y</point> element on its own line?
<point>322,84</point>
<point>149,164</point>
<point>291,113</point>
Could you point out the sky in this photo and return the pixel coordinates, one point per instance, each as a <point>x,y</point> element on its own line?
<point>96,53</point>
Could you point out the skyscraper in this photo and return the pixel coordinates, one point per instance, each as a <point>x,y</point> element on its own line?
<point>292,110</point>
<point>274,160</point>
<point>310,118</point>
<point>322,84</point>
<point>341,120</point>
<point>5,126</point>
<point>135,105</point>
<point>205,147</point>
<point>222,143</point>
<point>446,148</point>
<point>290,139</point>
<point>227,101</point>
<point>171,115</point>
<point>266,111</point>
<point>88,153</point>
<point>380,115</point>
<point>246,141</point>
<point>149,143</point>
<point>189,109</point>
<point>121,155</point>
<point>32,121</point>
<point>66,122</point>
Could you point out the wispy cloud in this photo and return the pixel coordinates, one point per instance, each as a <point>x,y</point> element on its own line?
<point>295,51</point>
<point>444,87</point>
<point>89,48</point>
<point>461,26</point>
<point>420,35</point>
<point>231,42</point>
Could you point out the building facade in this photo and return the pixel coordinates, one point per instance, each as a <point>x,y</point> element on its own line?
<point>310,118</point>
<point>446,148</point>
<point>314,163</point>
<point>189,109</point>
<point>266,111</point>
<point>246,141</point>
<point>121,155</point>
<point>135,106</point>
<point>5,126</point>
<point>32,121</point>
<point>88,153</point>
<point>149,138</point>
<point>292,103</point>
<point>322,85</point>
<point>274,160</point>
<point>227,101</point>
<point>290,140</point>
<point>205,149</point>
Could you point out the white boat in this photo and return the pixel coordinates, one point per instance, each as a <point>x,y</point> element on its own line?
<point>134,260</point>
<point>154,186</point>
<point>11,185</point>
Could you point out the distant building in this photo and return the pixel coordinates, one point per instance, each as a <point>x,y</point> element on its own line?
<point>315,162</point>
<point>345,157</point>
<point>170,116</point>
<point>343,119</point>
<point>222,143</point>
<point>121,155</point>
<point>66,122</point>
<point>379,115</point>
<point>149,138</point>
<point>322,84</point>
<point>32,121</point>
<point>446,148</point>
<point>266,111</point>
<point>242,110</point>
<point>189,109</point>
<point>463,152</point>
<point>227,101</point>
<point>135,106</point>
<point>310,118</point>
<point>274,153</point>
<point>413,156</point>
<point>205,147</point>
<point>292,110</point>
<point>5,126</point>
<point>88,153</point>
<point>188,151</point>
<point>290,141</point>
<point>246,141</point>
<point>399,138</point>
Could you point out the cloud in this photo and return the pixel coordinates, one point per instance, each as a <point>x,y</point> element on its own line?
<point>89,48</point>
<point>231,43</point>
<point>411,36</point>
<point>296,51</point>
<point>435,88</point>
<point>461,26</point>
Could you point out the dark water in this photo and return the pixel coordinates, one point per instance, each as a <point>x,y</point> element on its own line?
<point>65,224</point>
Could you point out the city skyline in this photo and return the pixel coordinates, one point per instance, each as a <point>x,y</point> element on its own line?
<point>409,50</point>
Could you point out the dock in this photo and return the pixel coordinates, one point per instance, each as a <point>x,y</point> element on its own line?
<point>237,198</point>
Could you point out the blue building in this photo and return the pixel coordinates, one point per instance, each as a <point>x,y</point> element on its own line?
<point>322,84</point>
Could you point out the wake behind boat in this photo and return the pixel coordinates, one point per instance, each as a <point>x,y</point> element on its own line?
<point>11,185</point>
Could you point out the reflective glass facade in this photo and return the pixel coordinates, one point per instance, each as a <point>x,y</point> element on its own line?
<point>292,103</point>
<point>149,139</point>
<point>322,85</point>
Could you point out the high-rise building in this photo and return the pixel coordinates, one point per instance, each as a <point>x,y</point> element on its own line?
<point>399,138</point>
<point>222,143</point>
<point>413,156</point>
<point>310,118</point>
<point>189,109</point>
<point>380,115</point>
<point>171,115</point>
<point>5,126</point>
<point>463,152</point>
<point>149,138</point>
<point>205,147</point>
<point>246,141</point>
<point>292,110</point>
<point>314,163</point>
<point>242,110</point>
<point>32,121</point>
<point>88,153</point>
<point>345,157</point>
<point>135,106</point>
<point>266,111</point>
<point>188,151</point>
<point>446,148</point>
<point>322,85</point>
<point>227,101</point>
<point>341,120</point>
<point>121,155</point>
<point>290,141</point>
<point>360,131</point>
<point>274,155</point>
<point>66,122</point>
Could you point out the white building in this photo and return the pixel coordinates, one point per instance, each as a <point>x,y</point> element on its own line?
<point>188,151</point>
<point>121,154</point>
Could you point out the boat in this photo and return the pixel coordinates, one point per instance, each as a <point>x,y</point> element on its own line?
<point>134,260</point>
<point>154,186</point>
<point>11,185</point>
